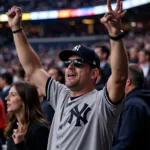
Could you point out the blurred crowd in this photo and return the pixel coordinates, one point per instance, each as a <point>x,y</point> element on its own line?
<point>38,5</point>
<point>137,45</point>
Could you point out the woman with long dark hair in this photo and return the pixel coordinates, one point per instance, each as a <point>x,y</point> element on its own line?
<point>26,129</point>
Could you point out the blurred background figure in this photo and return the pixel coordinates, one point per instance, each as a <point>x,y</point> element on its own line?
<point>144,63</point>
<point>133,130</point>
<point>6,80</point>
<point>101,80</point>
<point>57,74</point>
<point>46,107</point>
<point>133,55</point>
<point>3,122</point>
<point>26,128</point>
<point>105,70</point>
<point>20,74</point>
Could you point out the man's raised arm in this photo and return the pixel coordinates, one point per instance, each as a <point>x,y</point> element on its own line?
<point>119,62</point>
<point>26,54</point>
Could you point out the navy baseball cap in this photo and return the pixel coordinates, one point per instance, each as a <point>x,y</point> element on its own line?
<point>84,52</point>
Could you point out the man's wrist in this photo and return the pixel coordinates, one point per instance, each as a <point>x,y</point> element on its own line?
<point>17,30</point>
<point>118,37</point>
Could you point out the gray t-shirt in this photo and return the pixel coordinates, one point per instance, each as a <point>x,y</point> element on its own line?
<point>85,123</point>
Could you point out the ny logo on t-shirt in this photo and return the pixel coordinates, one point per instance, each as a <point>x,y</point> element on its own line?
<point>80,115</point>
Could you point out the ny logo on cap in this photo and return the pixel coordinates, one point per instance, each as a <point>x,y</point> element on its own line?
<point>76,48</point>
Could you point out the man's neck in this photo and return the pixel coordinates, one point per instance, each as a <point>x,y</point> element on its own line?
<point>75,93</point>
<point>130,88</point>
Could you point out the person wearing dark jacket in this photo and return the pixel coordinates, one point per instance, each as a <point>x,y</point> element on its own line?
<point>26,129</point>
<point>133,128</point>
<point>46,107</point>
<point>103,52</point>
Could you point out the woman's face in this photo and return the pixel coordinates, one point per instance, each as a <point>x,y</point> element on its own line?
<point>14,102</point>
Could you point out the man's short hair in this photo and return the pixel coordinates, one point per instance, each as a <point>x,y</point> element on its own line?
<point>7,77</point>
<point>104,49</point>
<point>136,74</point>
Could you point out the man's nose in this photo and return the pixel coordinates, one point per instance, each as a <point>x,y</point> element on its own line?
<point>71,66</point>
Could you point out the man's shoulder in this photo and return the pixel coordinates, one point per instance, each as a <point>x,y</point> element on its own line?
<point>137,101</point>
<point>95,93</point>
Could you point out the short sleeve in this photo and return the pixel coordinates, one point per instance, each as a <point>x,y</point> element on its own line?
<point>109,111</point>
<point>54,92</point>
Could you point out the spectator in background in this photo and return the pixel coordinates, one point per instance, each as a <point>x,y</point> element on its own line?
<point>105,70</point>
<point>101,80</point>
<point>3,121</point>
<point>46,107</point>
<point>20,74</point>
<point>144,63</point>
<point>57,74</point>
<point>14,74</point>
<point>133,55</point>
<point>103,53</point>
<point>27,128</point>
<point>6,80</point>
<point>133,128</point>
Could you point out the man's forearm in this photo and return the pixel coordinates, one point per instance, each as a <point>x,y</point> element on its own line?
<point>119,61</point>
<point>27,56</point>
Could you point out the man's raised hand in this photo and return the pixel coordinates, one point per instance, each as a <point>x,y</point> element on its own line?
<point>112,19</point>
<point>14,17</point>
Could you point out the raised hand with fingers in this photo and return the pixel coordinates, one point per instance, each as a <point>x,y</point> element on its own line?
<point>112,19</point>
<point>14,18</point>
<point>18,134</point>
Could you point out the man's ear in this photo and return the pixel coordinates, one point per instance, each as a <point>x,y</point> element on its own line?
<point>95,73</point>
<point>128,82</point>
